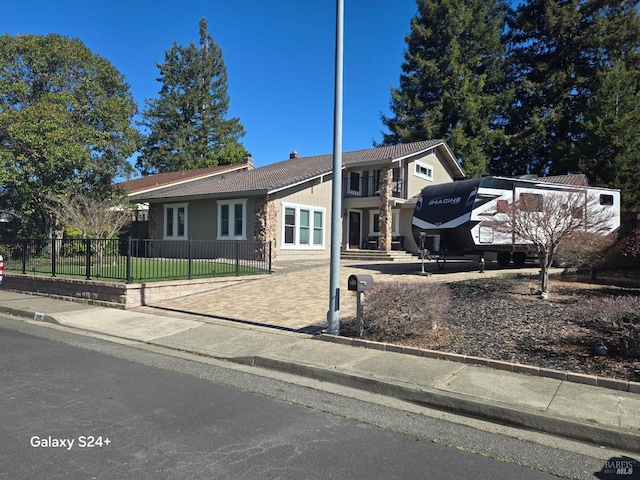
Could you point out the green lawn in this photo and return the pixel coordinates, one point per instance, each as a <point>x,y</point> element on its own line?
<point>142,269</point>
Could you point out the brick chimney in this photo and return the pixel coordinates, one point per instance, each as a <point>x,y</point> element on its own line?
<point>248,160</point>
<point>294,154</point>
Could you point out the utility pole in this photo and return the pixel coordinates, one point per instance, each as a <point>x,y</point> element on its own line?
<point>333,315</point>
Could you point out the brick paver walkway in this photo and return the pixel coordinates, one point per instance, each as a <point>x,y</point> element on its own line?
<point>296,295</point>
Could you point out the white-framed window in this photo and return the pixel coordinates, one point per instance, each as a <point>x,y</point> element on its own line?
<point>423,170</point>
<point>175,221</point>
<point>374,223</point>
<point>232,219</point>
<point>303,226</point>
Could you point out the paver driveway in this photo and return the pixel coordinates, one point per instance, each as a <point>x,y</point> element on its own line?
<point>296,295</point>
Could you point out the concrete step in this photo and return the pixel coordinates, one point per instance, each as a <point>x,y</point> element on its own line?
<point>376,255</point>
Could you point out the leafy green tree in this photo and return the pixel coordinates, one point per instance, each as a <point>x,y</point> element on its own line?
<point>556,51</point>
<point>186,124</point>
<point>452,82</point>
<point>65,125</point>
<point>611,149</point>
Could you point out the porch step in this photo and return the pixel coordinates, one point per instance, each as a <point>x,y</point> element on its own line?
<point>376,255</point>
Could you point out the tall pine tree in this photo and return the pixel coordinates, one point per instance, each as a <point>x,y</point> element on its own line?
<point>187,125</point>
<point>452,81</point>
<point>610,152</point>
<point>556,50</point>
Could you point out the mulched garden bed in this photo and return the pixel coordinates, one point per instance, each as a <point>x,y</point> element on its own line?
<point>504,319</point>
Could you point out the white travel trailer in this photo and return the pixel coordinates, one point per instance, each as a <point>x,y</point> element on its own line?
<point>458,218</point>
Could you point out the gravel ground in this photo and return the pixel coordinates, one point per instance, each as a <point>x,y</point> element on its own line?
<point>504,319</point>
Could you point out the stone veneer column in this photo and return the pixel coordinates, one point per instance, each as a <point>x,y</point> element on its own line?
<point>265,222</point>
<point>384,224</point>
<point>152,219</point>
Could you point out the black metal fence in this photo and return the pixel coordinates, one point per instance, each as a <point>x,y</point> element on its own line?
<point>136,260</point>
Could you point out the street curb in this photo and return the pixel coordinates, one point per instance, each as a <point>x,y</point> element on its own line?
<point>593,380</point>
<point>459,404</point>
<point>31,315</point>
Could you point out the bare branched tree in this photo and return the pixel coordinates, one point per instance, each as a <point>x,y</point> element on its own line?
<point>93,216</point>
<point>546,220</point>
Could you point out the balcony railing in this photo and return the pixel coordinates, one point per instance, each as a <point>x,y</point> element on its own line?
<point>370,187</point>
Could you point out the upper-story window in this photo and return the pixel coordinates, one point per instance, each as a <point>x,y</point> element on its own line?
<point>423,170</point>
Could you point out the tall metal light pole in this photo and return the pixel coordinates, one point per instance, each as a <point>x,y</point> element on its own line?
<point>333,315</point>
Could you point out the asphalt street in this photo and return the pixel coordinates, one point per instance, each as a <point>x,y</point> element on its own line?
<point>152,415</point>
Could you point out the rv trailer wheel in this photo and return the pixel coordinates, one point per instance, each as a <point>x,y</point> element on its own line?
<point>503,258</point>
<point>519,258</point>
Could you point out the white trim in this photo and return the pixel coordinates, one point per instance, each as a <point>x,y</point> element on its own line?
<point>418,165</point>
<point>395,215</point>
<point>242,235</point>
<point>296,245</point>
<point>174,235</point>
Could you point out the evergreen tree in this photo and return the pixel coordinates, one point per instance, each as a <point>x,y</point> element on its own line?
<point>452,81</point>
<point>187,124</point>
<point>557,48</point>
<point>610,152</point>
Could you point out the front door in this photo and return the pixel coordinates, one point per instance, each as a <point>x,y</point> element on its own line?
<point>354,229</point>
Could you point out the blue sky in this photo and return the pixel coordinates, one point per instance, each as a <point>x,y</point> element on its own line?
<point>279,56</point>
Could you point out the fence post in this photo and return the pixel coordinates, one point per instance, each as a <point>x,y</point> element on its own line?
<point>88,258</point>
<point>270,270</point>
<point>53,255</point>
<point>24,256</point>
<point>237,258</point>
<point>128,278</point>
<point>189,263</point>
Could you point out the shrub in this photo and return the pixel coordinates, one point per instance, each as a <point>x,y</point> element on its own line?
<point>400,310</point>
<point>586,249</point>
<point>630,245</point>
<point>621,315</point>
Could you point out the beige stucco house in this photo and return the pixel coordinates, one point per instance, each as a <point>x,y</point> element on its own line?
<point>289,203</point>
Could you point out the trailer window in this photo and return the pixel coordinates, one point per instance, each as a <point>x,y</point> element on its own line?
<point>606,199</point>
<point>531,202</point>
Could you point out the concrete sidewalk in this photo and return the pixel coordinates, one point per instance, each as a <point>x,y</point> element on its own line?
<point>597,415</point>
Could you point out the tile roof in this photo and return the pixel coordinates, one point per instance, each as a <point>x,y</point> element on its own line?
<point>277,176</point>
<point>159,180</point>
<point>577,180</point>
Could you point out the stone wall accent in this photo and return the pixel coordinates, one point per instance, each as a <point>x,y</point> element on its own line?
<point>265,223</point>
<point>384,240</point>
<point>155,221</point>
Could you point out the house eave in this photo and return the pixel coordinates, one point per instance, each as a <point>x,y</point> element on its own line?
<point>207,196</point>
<point>301,182</point>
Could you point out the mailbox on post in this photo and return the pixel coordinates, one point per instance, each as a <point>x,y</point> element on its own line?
<point>360,283</point>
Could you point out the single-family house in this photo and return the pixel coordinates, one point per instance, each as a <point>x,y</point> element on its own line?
<point>144,185</point>
<point>289,203</point>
